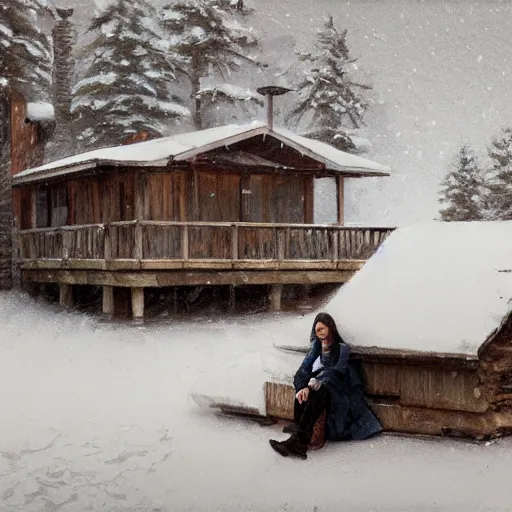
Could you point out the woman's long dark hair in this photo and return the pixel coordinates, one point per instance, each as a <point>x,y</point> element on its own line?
<point>328,321</point>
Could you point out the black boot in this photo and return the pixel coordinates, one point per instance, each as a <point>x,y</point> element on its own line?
<point>293,446</point>
<point>297,444</point>
<point>291,428</point>
<point>279,447</point>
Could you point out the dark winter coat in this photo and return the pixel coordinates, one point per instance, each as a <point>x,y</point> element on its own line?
<point>349,416</point>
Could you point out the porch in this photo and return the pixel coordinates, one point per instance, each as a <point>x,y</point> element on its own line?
<point>139,254</point>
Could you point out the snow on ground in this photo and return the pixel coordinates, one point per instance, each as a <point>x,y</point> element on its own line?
<point>97,416</point>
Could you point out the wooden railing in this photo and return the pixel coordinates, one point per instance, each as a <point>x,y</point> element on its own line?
<point>154,240</point>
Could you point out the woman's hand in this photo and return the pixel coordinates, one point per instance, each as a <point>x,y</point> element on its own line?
<point>302,395</point>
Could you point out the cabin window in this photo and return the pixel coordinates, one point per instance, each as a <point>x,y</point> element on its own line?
<point>59,206</point>
<point>42,208</point>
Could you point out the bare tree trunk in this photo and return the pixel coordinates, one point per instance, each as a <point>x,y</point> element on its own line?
<point>196,87</point>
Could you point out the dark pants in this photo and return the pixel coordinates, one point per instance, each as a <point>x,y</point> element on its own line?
<point>307,413</point>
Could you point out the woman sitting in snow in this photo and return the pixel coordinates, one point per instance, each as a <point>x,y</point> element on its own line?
<point>327,381</point>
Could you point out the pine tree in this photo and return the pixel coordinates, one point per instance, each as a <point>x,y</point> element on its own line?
<point>213,45</point>
<point>126,87</point>
<point>330,105</point>
<point>499,177</point>
<point>25,48</point>
<point>462,189</point>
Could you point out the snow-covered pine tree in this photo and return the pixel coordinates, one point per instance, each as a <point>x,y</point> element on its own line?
<point>499,177</point>
<point>330,104</point>
<point>25,47</point>
<point>126,86</point>
<point>213,44</point>
<point>462,189</point>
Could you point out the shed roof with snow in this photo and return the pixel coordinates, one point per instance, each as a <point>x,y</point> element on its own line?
<point>434,287</point>
<point>181,147</point>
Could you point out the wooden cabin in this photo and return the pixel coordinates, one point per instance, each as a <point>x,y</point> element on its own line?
<point>429,317</point>
<point>232,205</point>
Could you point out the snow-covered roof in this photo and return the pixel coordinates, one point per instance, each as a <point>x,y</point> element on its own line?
<point>159,152</point>
<point>434,287</point>
<point>40,112</point>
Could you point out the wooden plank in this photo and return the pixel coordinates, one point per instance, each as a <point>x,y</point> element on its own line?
<point>54,263</point>
<point>441,389</point>
<point>438,422</point>
<point>208,264</point>
<point>180,277</point>
<point>279,400</point>
<point>161,264</point>
<point>381,379</point>
<point>123,264</point>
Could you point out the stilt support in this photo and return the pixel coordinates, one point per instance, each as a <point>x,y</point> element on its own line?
<point>174,300</point>
<point>66,295</point>
<point>138,305</point>
<point>276,291</point>
<point>232,299</point>
<point>108,301</point>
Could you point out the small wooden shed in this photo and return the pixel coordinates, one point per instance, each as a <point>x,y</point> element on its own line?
<point>429,317</point>
<point>229,205</point>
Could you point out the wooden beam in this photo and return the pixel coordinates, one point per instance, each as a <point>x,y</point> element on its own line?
<point>309,200</point>
<point>108,301</point>
<point>184,278</point>
<point>195,264</point>
<point>33,209</point>
<point>66,295</point>
<point>340,199</point>
<point>138,304</point>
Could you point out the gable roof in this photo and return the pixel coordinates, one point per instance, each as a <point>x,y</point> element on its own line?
<point>184,146</point>
<point>436,287</point>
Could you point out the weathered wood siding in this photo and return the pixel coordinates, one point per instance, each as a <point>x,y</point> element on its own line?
<point>426,386</point>
<point>496,367</point>
<point>165,195</point>
<point>218,196</point>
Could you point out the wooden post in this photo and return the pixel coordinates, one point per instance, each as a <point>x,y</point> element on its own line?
<point>276,291</point>
<point>138,253</point>
<point>108,301</point>
<point>107,244</point>
<point>234,242</point>
<point>184,242</point>
<point>280,240</point>
<point>33,209</point>
<point>138,305</point>
<point>232,299</point>
<point>174,304</point>
<point>66,295</point>
<point>340,199</point>
<point>335,244</point>
<point>195,191</point>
